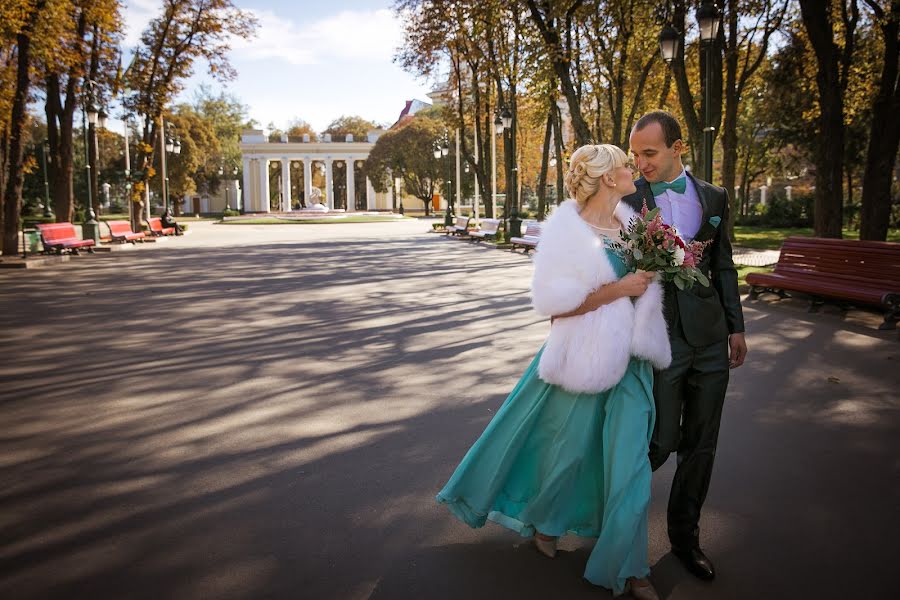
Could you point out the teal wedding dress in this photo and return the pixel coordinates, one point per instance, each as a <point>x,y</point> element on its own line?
<point>558,462</point>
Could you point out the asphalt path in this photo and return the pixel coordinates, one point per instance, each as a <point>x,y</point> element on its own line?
<point>268,411</point>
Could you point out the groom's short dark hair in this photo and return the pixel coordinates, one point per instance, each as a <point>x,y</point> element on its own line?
<point>670,125</point>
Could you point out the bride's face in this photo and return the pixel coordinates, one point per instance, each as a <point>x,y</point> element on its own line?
<point>624,179</point>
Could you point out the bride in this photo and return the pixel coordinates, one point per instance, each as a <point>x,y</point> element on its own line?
<point>567,451</point>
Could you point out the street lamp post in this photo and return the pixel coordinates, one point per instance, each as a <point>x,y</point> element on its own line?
<point>47,213</point>
<point>90,228</point>
<point>708,18</point>
<point>498,130</point>
<point>221,173</point>
<point>170,143</point>
<point>506,118</point>
<point>445,152</point>
<point>669,43</point>
<point>88,115</point>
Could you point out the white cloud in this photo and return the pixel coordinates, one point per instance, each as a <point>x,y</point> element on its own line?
<point>364,36</point>
<point>138,14</point>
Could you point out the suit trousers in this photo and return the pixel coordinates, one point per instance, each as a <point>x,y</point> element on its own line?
<point>689,397</point>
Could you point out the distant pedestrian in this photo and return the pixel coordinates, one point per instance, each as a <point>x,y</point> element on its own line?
<point>169,221</point>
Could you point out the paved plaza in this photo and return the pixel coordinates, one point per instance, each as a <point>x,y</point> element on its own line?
<point>268,412</point>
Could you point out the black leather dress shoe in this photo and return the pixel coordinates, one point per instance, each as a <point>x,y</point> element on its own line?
<point>696,562</point>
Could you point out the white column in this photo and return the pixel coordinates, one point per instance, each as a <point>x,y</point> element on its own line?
<point>286,184</point>
<point>262,204</point>
<point>247,197</point>
<point>329,183</point>
<point>370,195</point>
<point>458,180</point>
<point>762,194</point>
<point>351,185</point>
<point>307,180</point>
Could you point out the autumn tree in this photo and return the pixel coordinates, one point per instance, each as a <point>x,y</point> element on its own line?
<point>358,127</point>
<point>196,166</point>
<point>407,152</point>
<point>186,31</point>
<point>26,24</point>
<point>298,127</point>
<point>85,50</point>
<point>227,116</point>
<point>623,51</point>
<point>833,51</point>
<point>554,21</point>
<point>884,135</point>
<point>748,30</point>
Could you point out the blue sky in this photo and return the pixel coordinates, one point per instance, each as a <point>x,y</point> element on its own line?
<point>312,59</point>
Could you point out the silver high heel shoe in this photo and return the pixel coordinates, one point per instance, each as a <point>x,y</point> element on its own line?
<point>640,592</point>
<point>547,547</point>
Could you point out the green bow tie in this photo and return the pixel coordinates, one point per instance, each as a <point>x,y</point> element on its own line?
<point>678,186</point>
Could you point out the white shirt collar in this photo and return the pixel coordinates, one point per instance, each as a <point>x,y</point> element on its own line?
<point>680,175</point>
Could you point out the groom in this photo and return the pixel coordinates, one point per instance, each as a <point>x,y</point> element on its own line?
<point>706,329</point>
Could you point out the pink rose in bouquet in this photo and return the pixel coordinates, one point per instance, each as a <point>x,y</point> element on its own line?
<point>648,244</point>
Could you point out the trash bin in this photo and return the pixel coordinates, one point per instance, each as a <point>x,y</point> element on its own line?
<point>90,230</point>
<point>33,241</point>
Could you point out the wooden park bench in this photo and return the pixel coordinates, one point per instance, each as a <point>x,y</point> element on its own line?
<point>460,226</point>
<point>157,229</point>
<point>487,230</point>
<point>120,231</point>
<point>846,272</point>
<point>530,239</point>
<point>61,237</point>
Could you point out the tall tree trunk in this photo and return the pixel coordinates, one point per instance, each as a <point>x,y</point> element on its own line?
<point>560,159</point>
<point>852,217</point>
<point>729,125</point>
<point>884,136</point>
<point>561,67</point>
<point>692,118</point>
<point>829,156</point>
<point>4,140</point>
<point>545,159</point>
<point>12,195</point>
<point>60,115</point>
<point>93,154</point>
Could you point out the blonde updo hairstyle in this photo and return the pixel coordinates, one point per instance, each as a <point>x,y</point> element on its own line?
<point>588,165</point>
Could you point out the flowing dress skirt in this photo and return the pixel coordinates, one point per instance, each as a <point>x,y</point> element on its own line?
<point>557,462</point>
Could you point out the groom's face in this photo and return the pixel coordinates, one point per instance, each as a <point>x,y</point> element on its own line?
<point>655,160</point>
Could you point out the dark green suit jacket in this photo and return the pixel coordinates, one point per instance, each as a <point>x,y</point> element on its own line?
<point>705,314</point>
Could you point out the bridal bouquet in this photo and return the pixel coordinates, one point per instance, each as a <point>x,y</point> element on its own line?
<point>648,244</point>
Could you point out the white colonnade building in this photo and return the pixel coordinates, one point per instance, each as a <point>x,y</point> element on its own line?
<point>344,155</point>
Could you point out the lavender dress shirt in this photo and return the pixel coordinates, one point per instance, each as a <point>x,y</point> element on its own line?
<point>682,211</point>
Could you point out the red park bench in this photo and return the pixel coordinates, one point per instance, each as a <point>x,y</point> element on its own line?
<point>157,229</point>
<point>846,272</point>
<point>59,237</point>
<point>120,231</point>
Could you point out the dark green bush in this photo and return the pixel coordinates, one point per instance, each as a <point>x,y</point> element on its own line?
<point>779,212</point>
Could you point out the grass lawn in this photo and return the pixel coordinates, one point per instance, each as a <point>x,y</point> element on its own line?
<point>742,272</point>
<point>762,238</point>
<point>274,221</point>
<point>124,217</point>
